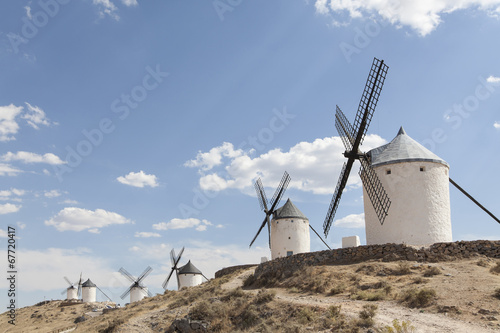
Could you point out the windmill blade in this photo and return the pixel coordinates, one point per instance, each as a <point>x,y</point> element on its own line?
<point>64,291</point>
<point>104,294</point>
<point>67,280</point>
<point>165,283</point>
<point>172,257</point>
<point>474,200</point>
<point>127,274</point>
<point>79,292</point>
<point>369,100</point>
<point>126,292</point>
<point>344,175</point>
<point>344,128</point>
<point>376,192</point>
<point>146,290</point>
<point>260,229</point>
<point>310,226</point>
<point>144,274</point>
<point>261,194</point>
<point>179,255</point>
<point>279,191</point>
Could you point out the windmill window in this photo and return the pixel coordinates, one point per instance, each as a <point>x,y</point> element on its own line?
<point>289,253</point>
<point>388,171</point>
<point>422,169</point>
<point>288,237</point>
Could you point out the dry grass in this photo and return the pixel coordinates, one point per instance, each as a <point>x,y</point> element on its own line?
<point>495,269</point>
<point>431,271</point>
<point>415,298</point>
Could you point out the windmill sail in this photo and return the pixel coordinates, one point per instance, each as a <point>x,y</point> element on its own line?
<point>352,137</point>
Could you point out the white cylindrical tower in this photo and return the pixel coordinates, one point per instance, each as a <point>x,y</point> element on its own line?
<point>289,231</point>
<point>417,183</point>
<point>137,293</point>
<point>189,276</point>
<point>71,293</point>
<point>89,291</point>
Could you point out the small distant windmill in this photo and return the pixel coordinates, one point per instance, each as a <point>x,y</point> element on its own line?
<point>187,275</point>
<point>89,292</point>
<point>74,291</point>
<point>261,195</point>
<point>137,290</point>
<point>352,137</point>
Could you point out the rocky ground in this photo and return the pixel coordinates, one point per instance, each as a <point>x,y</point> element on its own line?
<point>453,296</point>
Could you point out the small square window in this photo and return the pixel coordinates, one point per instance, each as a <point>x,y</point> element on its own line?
<point>289,253</point>
<point>388,171</point>
<point>422,169</point>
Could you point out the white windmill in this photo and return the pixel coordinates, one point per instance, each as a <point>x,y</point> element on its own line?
<point>289,227</point>
<point>402,175</point>
<point>187,275</point>
<point>137,290</point>
<point>74,290</point>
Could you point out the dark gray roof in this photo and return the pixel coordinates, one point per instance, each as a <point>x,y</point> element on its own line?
<point>189,269</point>
<point>402,149</point>
<point>88,283</point>
<point>289,210</point>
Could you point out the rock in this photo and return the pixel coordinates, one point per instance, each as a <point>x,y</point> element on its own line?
<point>80,319</point>
<point>186,325</point>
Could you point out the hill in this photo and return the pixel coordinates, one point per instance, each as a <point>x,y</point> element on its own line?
<point>461,295</point>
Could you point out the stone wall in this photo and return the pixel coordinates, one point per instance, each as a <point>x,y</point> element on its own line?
<point>283,267</point>
<point>229,270</point>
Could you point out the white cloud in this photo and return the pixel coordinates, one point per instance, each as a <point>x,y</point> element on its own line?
<point>52,193</point>
<point>493,79</point>
<point>69,202</point>
<point>35,116</point>
<point>78,219</point>
<point>8,170</point>
<point>313,166</point>
<point>138,179</point>
<point>28,157</point>
<point>130,3</point>
<point>145,234</point>
<point>199,225</point>
<point>497,124</point>
<point>28,11</point>
<point>351,221</point>
<point>8,124</point>
<point>422,16</point>
<point>9,208</point>
<point>11,194</point>
<point>106,7</point>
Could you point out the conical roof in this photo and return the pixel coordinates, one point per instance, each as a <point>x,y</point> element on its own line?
<point>189,268</point>
<point>88,283</point>
<point>289,210</point>
<point>402,149</point>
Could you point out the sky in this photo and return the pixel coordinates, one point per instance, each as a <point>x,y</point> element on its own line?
<point>129,127</point>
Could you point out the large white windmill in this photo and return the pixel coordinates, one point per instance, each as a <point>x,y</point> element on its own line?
<point>402,175</point>
<point>137,290</point>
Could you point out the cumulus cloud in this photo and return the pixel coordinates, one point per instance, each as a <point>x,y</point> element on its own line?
<point>493,79</point>
<point>8,170</point>
<point>421,16</point>
<point>313,166</point>
<point>79,219</point>
<point>28,157</point>
<point>145,234</point>
<point>138,179</point>
<point>106,7</point>
<point>9,208</point>
<point>52,193</point>
<point>130,3</point>
<point>8,124</point>
<point>199,225</point>
<point>35,116</point>
<point>351,221</point>
<point>497,124</point>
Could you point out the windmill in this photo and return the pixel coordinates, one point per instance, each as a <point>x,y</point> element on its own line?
<point>352,137</point>
<point>89,292</point>
<point>74,291</point>
<point>261,195</point>
<point>175,261</point>
<point>137,290</point>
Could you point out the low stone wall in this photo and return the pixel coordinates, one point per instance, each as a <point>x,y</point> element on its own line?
<point>283,267</point>
<point>229,270</point>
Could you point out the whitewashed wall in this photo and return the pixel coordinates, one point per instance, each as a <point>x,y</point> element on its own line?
<point>290,234</point>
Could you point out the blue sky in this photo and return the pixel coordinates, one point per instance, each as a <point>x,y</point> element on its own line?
<point>128,128</point>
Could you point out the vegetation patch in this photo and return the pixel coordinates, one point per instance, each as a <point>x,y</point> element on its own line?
<point>415,298</point>
<point>495,269</point>
<point>431,271</point>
